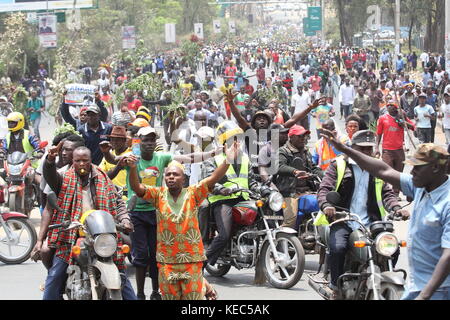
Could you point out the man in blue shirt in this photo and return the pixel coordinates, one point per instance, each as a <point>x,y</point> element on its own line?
<point>429,229</point>
<point>94,132</point>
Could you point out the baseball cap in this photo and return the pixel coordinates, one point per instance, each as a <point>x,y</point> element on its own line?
<point>364,138</point>
<point>428,153</point>
<point>446,94</point>
<point>298,131</point>
<point>93,108</point>
<point>422,95</point>
<point>211,83</point>
<point>139,122</point>
<point>205,132</point>
<point>147,131</point>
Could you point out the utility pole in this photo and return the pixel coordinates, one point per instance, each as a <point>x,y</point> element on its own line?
<point>447,35</point>
<point>397,28</point>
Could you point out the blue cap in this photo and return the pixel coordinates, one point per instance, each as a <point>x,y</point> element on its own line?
<point>211,83</point>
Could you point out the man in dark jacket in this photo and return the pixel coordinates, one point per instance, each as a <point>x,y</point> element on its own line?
<point>295,168</point>
<point>361,193</point>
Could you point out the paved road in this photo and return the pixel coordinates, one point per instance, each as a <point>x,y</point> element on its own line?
<point>23,281</point>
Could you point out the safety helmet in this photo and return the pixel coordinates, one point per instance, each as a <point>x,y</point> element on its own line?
<point>144,114</point>
<point>139,122</point>
<point>16,117</point>
<point>227,130</point>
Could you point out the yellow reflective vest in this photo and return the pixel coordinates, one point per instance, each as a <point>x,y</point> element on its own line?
<point>233,178</point>
<point>321,219</point>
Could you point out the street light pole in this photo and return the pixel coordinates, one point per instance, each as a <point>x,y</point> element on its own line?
<point>447,35</point>
<point>397,28</point>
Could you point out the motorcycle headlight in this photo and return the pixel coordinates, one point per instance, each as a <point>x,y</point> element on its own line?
<point>15,170</point>
<point>276,201</point>
<point>386,244</point>
<point>105,245</point>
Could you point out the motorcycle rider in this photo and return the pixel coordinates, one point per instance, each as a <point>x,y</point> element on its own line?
<point>293,181</point>
<point>361,193</point>
<point>428,232</point>
<point>222,200</point>
<point>257,130</point>
<point>18,139</point>
<point>82,188</point>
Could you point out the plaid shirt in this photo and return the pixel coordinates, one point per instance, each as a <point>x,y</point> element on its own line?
<point>70,201</point>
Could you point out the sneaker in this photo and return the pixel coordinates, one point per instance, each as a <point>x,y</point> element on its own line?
<point>155,296</point>
<point>141,296</point>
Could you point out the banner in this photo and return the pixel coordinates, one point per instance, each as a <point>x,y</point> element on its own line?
<point>128,37</point>
<point>171,33</point>
<point>232,26</point>
<point>216,24</point>
<point>78,93</point>
<point>198,29</point>
<point>35,5</point>
<point>47,31</point>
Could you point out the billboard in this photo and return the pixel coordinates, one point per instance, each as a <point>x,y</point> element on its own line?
<point>35,5</point>
<point>47,31</point>
<point>128,37</point>
<point>170,33</point>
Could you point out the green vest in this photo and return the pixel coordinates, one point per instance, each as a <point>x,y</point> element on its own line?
<point>322,220</point>
<point>27,146</point>
<point>233,179</point>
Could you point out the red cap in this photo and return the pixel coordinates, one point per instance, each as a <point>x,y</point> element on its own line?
<point>298,131</point>
<point>393,103</point>
<point>83,109</point>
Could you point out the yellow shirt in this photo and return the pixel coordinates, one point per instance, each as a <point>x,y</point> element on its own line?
<point>225,89</point>
<point>121,179</point>
<point>189,86</point>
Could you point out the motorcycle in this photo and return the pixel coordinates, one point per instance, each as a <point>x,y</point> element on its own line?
<point>258,241</point>
<point>17,235</point>
<point>19,169</point>
<point>93,274</point>
<point>369,271</point>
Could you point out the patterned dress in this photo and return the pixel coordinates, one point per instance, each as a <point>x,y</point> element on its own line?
<point>180,251</point>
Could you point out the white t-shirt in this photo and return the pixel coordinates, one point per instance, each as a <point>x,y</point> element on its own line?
<point>424,57</point>
<point>445,109</point>
<point>300,102</point>
<point>420,112</point>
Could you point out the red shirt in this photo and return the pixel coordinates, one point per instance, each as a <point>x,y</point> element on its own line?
<point>134,105</point>
<point>249,90</point>
<point>393,134</point>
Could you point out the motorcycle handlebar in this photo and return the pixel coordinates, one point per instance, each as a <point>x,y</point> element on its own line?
<point>65,224</point>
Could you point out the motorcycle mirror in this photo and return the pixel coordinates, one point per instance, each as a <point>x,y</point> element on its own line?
<point>334,198</point>
<point>43,144</point>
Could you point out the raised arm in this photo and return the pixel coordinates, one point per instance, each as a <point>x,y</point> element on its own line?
<point>135,185</point>
<point>375,167</point>
<point>303,114</point>
<point>53,178</point>
<point>221,170</point>
<point>234,110</point>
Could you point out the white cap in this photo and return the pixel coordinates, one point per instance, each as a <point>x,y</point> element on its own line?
<point>146,131</point>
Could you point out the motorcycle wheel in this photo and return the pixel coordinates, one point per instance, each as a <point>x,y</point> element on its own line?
<point>288,272</point>
<point>19,249</point>
<point>219,270</point>
<point>388,291</point>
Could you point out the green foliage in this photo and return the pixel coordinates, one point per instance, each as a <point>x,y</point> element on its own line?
<point>66,127</point>
<point>20,99</point>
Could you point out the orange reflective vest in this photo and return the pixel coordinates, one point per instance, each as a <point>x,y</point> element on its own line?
<point>326,154</point>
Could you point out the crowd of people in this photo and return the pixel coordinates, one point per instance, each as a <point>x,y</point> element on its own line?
<point>262,130</point>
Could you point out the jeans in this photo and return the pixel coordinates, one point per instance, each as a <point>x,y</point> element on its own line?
<point>35,124</point>
<point>338,243</point>
<point>347,110</point>
<point>440,294</point>
<point>424,134</point>
<point>224,223</point>
<point>447,136</point>
<point>57,277</point>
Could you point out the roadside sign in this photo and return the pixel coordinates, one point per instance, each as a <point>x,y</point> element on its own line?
<point>315,18</point>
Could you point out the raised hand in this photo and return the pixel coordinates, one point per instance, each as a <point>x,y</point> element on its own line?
<point>105,146</point>
<point>331,137</point>
<point>53,152</point>
<point>230,95</point>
